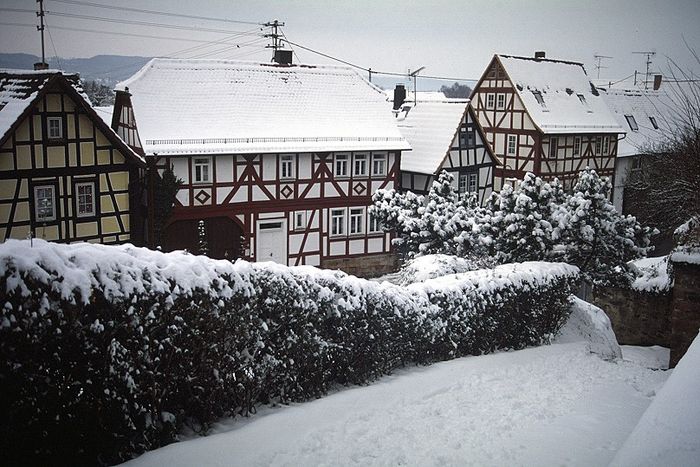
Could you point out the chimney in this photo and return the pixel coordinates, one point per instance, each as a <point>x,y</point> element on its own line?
<point>283,57</point>
<point>399,96</point>
<point>41,66</point>
<point>657,82</point>
<point>539,55</point>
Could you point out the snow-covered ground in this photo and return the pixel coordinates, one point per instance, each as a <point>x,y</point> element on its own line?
<point>551,405</point>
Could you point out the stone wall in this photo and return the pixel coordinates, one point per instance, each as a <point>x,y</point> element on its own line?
<point>638,318</point>
<point>685,316</point>
<point>364,266</point>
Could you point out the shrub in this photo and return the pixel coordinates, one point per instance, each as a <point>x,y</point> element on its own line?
<point>106,352</point>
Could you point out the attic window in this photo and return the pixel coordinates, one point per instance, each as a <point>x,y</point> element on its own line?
<point>582,98</point>
<point>55,127</point>
<point>653,123</point>
<point>538,97</point>
<point>632,122</point>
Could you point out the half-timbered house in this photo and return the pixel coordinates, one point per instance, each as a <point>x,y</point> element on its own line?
<point>65,176</point>
<point>278,161</point>
<point>544,116</point>
<point>444,135</point>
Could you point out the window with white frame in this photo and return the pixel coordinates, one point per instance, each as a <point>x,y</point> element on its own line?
<point>471,184</point>
<point>45,203</point>
<point>606,145</point>
<point>360,165</point>
<point>337,222</point>
<point>374,224</point>
<point>553,147</point>
<point>467,183</point>
<point>598,145</point>
<point>202,169</point>
<point>341,165</point>
<point>85,199</point>
<point>300,220</point>
<point>55,127</point>
<point>462,185</point>
<point>379,164</point>
<point>490,98</point>
<point>512,144</point>
<point>357,217</point>
<point>577,145</point>
<point>501,101</point>
<point>287,166</point>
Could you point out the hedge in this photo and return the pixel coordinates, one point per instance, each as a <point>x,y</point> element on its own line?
<point>109,351</point>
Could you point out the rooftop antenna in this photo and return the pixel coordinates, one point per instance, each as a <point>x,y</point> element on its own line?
<point>414,74</point>
<point>599,60</point>
<point>40,28</point>
<point>276,42</point>
<point>649,54</point>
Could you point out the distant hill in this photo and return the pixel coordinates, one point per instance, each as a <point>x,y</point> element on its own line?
<point>106,69</point>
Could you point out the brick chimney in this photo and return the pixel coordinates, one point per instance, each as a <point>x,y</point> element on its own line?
<point>540,54</point>
<point>41,66</point>
<point>657,82</point>
<point>283,57</point>
<point>399,96</point>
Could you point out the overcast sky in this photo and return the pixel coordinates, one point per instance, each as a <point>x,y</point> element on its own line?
<point>449,37</point>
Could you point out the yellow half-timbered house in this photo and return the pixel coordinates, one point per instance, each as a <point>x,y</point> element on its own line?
<point>65,176</point>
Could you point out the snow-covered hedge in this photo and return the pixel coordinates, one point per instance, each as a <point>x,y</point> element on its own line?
<point>108,351</point>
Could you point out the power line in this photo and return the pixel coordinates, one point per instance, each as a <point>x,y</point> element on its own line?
<point>153,12</point>
<point>138,23</point>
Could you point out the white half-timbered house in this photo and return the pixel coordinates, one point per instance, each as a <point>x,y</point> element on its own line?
<point>280,161</point>
<point>544,116</point>
<point>444,135</point>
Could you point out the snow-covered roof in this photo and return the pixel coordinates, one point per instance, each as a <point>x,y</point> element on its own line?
<point>225,106</point>
<point>643,106</point>
<point>105,113</point>
<point>423,96</point>
<point>19,88</point>
<point>430,128</point>
<point>570,103</point>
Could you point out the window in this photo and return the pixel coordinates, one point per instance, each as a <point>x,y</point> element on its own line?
<point>360,166</point>
<point>489,101</point>
<point>653,123</point>
<point>538,97</point>
<point>462,185</point>
<point>201,169</point>
<point>374,224</point>
<point>606,145</point>
<point>300,220</point>
<point>357,216</point>
<point>553,147</point>
<point>463,139</point>
<point>379,164</point>
<point>55,127</point>
<point>472,185</point>
<point>337,222</point>
<point>512,144</point>
<point>632,122</point>
<point>582,98</point>
<point>598,143</point>
<point>467,183</point>
<point>85,199</point>
<point>577,146</point>
<point>287,166</point>
<point>341,165</point>
<point>501,101</point>
<point>44,203</point>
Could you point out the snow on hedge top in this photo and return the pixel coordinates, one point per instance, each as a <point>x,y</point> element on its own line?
<point>652,114</point>
<point>652,274</point>
<point>225,106</point>
<point>570,103</point>
<point>430,129</point>
<point>18,88</point>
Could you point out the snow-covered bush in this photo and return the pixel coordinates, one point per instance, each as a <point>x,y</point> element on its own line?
<point>428,267</point>
<point>107,351</point>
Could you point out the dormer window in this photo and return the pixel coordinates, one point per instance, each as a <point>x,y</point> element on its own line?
<point>632,122</point>
<point>538,97</point>
<point>653,123</point>
<point>582,98</point>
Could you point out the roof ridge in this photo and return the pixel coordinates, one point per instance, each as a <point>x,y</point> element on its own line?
<point>533,59</point>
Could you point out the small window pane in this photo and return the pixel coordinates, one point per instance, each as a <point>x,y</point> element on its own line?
<point>287,166</point>
<point>553,148</point>
<point>360,164</point>
<point>632,122</point>
<point>44,203</point>
<point>653,123</point>
<point>85,199</point>
<point>337,221</point>
<point>501,101</point>
<point>512,144</point>
<point>341,165</point>
<point>379,164</point>
<point>356,217</point>
<point>201,169</point>
<point>577,146</point>
<point>55,125</point>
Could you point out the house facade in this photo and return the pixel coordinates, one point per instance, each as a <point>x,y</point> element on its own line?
<point>278,162</point>
<point>65,176</point>
<point>444,135</point>
<point>544,116</point>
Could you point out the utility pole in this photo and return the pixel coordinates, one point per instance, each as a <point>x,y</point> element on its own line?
<point>649,54</point>
<point>369,70</point>
<point>40,15</point>
<point>415,83</point>
<point>276,42</point>
<point>599,60</point>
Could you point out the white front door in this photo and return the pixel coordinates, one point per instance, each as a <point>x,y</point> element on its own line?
<point>271,241</point>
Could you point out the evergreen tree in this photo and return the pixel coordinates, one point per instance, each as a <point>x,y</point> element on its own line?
<point>166,188</point>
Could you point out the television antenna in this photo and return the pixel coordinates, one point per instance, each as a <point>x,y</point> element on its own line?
<point>599,60</point>
<point>648,54</point>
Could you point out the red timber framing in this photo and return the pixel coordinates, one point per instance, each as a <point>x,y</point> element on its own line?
<point>301,197</point>
<point>520,146</point>
<point>87,156</point>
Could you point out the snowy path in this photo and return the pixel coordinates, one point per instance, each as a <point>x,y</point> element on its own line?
<point>552,405</point>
